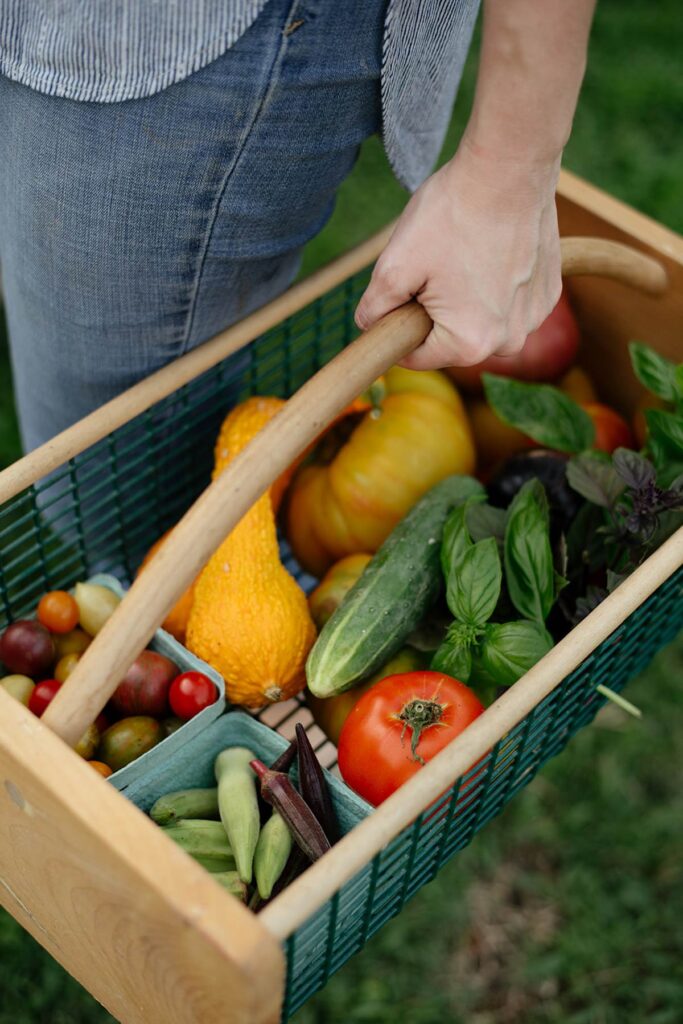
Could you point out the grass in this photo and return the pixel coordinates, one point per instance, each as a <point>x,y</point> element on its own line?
<point>566,909</point>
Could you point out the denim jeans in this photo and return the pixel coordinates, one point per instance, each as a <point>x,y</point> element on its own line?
<point>132,232</point>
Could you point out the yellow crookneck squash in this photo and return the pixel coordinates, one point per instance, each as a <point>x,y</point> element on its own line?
<point>418,434</point>
<point>249,617</point>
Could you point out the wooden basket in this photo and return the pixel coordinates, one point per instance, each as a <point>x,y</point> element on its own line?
<point>145,929</point>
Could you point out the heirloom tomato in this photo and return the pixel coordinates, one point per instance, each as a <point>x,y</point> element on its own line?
<point>418,434</point>
<point>399,725</point>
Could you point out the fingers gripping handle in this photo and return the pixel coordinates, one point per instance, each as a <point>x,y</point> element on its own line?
<point>217,511</point>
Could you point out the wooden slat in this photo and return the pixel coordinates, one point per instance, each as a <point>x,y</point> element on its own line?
<point>119,905</point>
<point>611,314</point>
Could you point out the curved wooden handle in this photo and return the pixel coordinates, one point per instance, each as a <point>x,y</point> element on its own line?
<point>226,500</point>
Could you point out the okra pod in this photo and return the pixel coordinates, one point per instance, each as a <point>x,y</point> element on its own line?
<point>238,806</point>
<point>278,790</point>
<point>313,785</point>
<point>272,852</point>
<point>185,803</point>
<point>204,841</point>
<point>286,759</point>
<point>231,881</point>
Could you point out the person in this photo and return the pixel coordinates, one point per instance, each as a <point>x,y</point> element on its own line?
<point>162,166</point>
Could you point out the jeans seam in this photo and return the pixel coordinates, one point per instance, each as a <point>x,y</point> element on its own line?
<point>208,237</point>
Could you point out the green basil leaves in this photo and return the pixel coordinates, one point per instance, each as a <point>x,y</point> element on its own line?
<point>541,411</point>
<point>529,570</point>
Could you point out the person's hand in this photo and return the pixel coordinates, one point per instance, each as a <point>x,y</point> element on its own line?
<point>478,247</point>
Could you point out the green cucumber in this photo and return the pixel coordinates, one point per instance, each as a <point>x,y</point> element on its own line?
<point>392,596</point>
<point>186,803</point>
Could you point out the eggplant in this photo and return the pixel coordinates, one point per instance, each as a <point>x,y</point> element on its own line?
<point>551,469</point>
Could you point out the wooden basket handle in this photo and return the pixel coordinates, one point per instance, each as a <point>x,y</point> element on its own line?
<point>221,506</point>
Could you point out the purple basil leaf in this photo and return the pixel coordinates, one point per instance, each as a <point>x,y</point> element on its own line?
<point>634,469</point>
<point>593,476</point>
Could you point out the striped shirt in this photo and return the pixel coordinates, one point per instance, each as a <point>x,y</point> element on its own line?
<point>106,51</point>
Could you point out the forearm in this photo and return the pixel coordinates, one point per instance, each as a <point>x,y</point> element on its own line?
<point>478,244</point>
<point>532,61</point>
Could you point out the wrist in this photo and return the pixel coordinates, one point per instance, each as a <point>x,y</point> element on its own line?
<point>496,171</point>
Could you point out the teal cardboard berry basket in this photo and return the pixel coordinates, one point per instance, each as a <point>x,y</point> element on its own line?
<point>138,923</point>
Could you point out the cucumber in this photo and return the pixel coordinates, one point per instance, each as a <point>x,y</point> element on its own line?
<point>186,803</point>
<point>392,596</point>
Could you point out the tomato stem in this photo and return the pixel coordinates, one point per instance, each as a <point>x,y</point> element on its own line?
<point>419,714</point>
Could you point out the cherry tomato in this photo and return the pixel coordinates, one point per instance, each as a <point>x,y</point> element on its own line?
<point>190,693</point>
<point>398,725</point>
<point>65,666</point>
<point>20,687</point>
<point>74,642</point>
<point>42,695</point>
<point>58,611</point>
<point>101,767</point>
<point>611,430</point>
<point>27,648</point>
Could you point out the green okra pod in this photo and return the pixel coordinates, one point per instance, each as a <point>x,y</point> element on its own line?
<point>185,803</point>
<point>238,806</point>
<point>272,853</point>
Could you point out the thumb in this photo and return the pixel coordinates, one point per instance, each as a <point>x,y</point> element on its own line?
<point>390,287</point>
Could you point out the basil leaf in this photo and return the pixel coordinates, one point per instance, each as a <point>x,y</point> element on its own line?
<point>474,586</point>
<point>593,476</point>
<point>454,660</point>
<point>653,371</point>
<point>529,570</point>
<point>509,649</point>
<point>455,542</point>
<point>667,427</point>
<point>485,521</point>
<point>678,381</point>
<point>541,411</point>
<point>634,469</point>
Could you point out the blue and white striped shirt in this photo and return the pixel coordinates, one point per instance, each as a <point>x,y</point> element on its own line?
<point>107,51</point>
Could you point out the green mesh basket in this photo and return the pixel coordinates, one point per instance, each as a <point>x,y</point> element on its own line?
<point>102,510</point>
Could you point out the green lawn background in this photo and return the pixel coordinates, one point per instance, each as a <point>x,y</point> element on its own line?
<point>567,908</point>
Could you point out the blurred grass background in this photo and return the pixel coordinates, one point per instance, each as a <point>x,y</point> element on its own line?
<point>568,907</point>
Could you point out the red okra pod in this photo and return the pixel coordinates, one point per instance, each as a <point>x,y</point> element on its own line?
<point>278,790</point>
<point>286,759</point>
<point>314,787</point>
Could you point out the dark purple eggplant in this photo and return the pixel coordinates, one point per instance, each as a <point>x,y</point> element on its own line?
<point>548,467</point>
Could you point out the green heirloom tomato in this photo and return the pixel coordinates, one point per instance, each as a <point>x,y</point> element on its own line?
<point>128,739</point>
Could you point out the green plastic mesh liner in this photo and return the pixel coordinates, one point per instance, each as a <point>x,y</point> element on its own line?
<point>102,510</point>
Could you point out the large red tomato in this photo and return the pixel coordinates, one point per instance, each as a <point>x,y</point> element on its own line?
<point>548,352</point>
<point>397,726</point>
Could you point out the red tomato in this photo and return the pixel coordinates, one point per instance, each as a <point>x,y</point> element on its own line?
<point>611,430</point>
<point>190,693</point>
<point>547,353</point>
<point>58,611</point>
<point>42,695</point>
<point>398,725</point>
